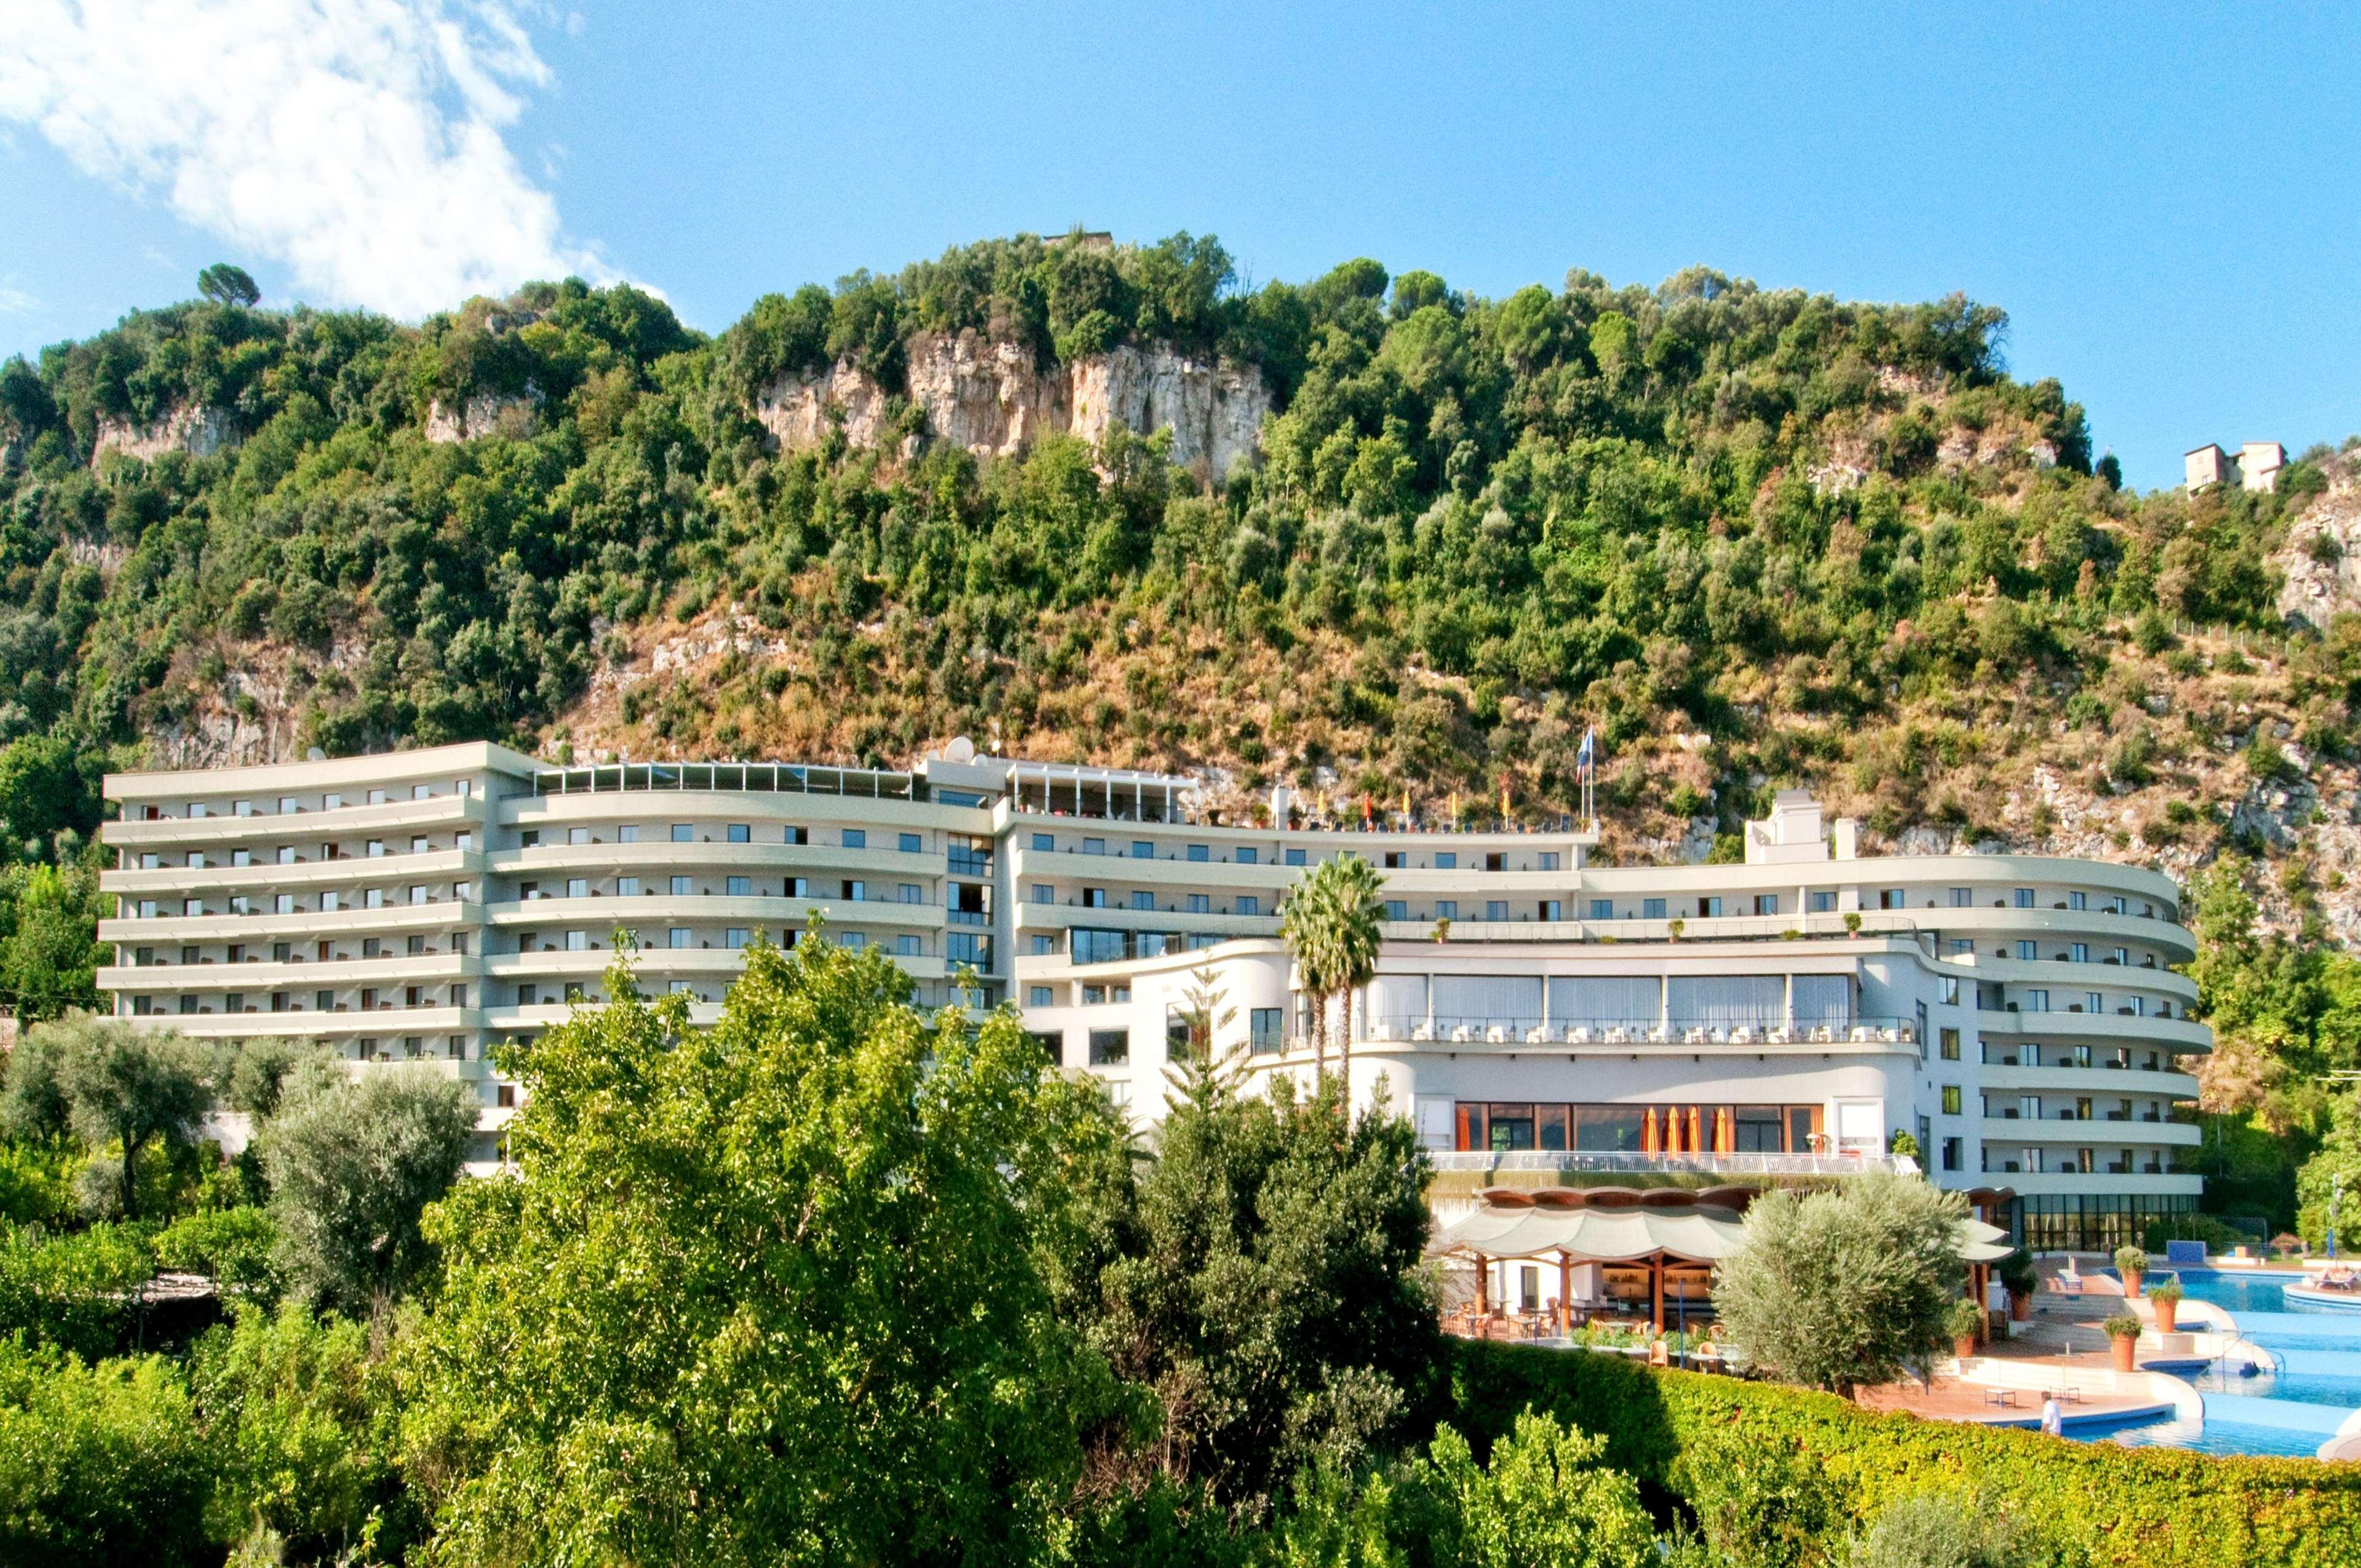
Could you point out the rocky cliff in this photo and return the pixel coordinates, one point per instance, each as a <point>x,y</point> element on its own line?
<point>993,398</point>
<point>192,427</point>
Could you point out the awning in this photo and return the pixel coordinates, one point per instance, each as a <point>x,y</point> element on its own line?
<point>1621,1235</point>
<point>1601,1235</point>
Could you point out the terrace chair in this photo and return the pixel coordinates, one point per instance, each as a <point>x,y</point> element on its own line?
<point>1659,1035</point>
<point>1719,1036</point>
<point>1692,1037</point>
<point>1383,1029</point>
<point>1860,1034</point>
<point>1618,1036</point>
<point>1422,1032</point>
<point>1780,1035</point>
<point>1461,1033</point>
<point>1578,1036</point>
<point>1741,1036</point>
<point>1538,1035</point>
<point>1497,1035</point>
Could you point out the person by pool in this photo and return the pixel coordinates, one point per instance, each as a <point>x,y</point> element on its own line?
<point>2053,1419</point>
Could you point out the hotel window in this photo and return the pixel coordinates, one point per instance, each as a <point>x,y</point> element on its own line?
<point>2036,1002</point>
<point>1200,904</point>
<point>1201,852</point>
<point>376,848</point>
<point>1961,898</point>
<point>1046,842</point>
<point>530,839</point>
<point>739,833</point>
<point>1952,1150</point>
<point>1249,905</point>
<point>1295,858</point>
<point>1950,1045</point>
<point>1549,860</point>
<point>1550,909</point>
<point>739,886</point>
<point>239,858</point>
<point>683,833</point>
<point>578,942</point>
<point>1249,857</point>
<point>1496,909</point>
<point>235,1003</point>
<point>2028,950</point>
<point>578,887</point>
<point>1110,1048</point>
<point>373,899</point>
<point>856,838</point>
<point>1044,946</point>
<point>1396,910</point>
<point>1824,903</point>
<point>735,936</point>
<point>1766,904</point>
<point>2080,952</point>
<point>1446,909</point>
<point>1446,860</point>
<point>324,1001</point>
<point>1043,893</point>
<point>1040,996</point>
<point>578,836</point>
<point>2077,901</point>
<point>906,893</point>
<point>1094,898</point>
<point>1142,899</point>
<point>418,895</point>
<point>911,844</point>
<point>627,887</point>
<point>1264,1030</point>
<point>456,1047</point>
<point>282,903</point>
<point>629,833</point>
<point>679,886</point>
<point>1602,909</point>
<point>678,937</point>
<point>1095,846</point>
<point>2025,899</point>
<point>1950,1100</point>
<point>796,836</point>
<point>1651,909</point>
<point>1892,898</point>
<point>2093,1002</point>
<point>287,807</point>
<point>1709,908</point>
<point>1947,990</point>
<point>906,946</point>
<point>1394,859</point>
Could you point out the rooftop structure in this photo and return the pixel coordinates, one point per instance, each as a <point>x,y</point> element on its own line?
<point>2019,1016</point>
<point>2255,467</point>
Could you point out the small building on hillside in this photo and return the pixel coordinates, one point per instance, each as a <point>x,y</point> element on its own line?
<point>2255,467</point>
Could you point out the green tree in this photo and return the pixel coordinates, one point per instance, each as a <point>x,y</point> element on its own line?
<point>113,1082</point>
<point>100,1465</point>
<point>1543,1500</point>
<point>2335,1168</point>
<point>352,1165</point>
<point>48,960</point>
<point>225,284</point>
<point>1847,1287</point>
<point>1333,922</point>
<point>1275,1300</point>
<point>768,1292</point>
<point>1932,1530</point>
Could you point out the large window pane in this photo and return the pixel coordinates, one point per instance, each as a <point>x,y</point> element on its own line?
<point>1604,1001</point>
<point>1726,1001</point>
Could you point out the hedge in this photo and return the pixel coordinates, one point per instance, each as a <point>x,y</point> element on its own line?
<point>2142,1506</point>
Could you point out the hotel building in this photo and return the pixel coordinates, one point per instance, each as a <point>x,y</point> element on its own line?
<point>2020,1016</point>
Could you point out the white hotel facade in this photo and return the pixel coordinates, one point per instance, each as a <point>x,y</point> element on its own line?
<point>2019,1016</point>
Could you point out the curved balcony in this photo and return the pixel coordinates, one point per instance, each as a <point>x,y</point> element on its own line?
<point>2011,1131</point>
<point>602,913</point>
<point>2177,1034</point>
<point>221,882</point>
<point>341,925</point>
<point>275,828</point>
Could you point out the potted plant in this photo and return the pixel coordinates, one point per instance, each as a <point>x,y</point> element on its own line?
<point>1966,1322</point>
<point>1852,922</point>
<point>1675,928</point>
<point>2132,1263</point>
<point>2018,1278</point>
<point>2122,1335</point>
<point>2165,1298</point>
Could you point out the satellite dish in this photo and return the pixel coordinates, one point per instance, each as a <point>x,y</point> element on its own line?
<point>316,755</point>
<point>960,749</point>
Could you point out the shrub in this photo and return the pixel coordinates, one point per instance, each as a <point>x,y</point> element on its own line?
<point>2130,1260</point>
<point>2123,1506</point>
<point>1964,1321</point>
<point>1937,1531</point>
<point>2165,1291</point>
<point>2122,1325</point>
<point>99,1464</point>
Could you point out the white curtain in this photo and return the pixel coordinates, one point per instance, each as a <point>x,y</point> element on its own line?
<point>1487,999</point>
<point>1726,1001</point>
<point>1399,999</point>
<point>1823,999</point>
<point>1604,1000</point>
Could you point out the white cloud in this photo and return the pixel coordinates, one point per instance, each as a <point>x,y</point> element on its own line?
<point>358,142</point>
<point>15,302</point>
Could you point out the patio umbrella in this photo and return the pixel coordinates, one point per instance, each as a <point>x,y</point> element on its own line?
<point>1723,1140</point>
<point>1696,1127</point>
<point>1648,1131</point>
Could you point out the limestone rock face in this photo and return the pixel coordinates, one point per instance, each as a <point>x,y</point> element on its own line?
<point>192,427</point>
<point>487,413</point>
<point>992,398</point>
<point>2323,556</point>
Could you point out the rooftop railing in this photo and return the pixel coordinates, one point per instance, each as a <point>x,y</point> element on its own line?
<point>1422,1029</point>
<point>1615,1162</point>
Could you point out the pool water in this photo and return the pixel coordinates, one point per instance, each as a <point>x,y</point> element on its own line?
<point>2290,1410</point>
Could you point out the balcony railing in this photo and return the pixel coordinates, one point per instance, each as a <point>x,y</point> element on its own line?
<point>1619,1162</point>
<point>1422,1029</point>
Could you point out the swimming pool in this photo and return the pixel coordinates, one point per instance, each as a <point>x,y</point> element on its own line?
<point>2292,1409</point>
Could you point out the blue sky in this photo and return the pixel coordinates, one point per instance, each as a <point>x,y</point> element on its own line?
<point>2162,199</point>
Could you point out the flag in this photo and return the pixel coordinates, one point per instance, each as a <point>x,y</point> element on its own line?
<point>1586,760</point>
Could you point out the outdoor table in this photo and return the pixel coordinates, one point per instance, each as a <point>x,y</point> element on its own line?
<point>2001,1397</point>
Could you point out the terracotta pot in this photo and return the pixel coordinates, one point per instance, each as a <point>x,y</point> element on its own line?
<point>2132,1286</point>
<point>2124,1349</point>
<point>2164,1320</point>
<point>1964,1346</point>
<point>2020,1308</point>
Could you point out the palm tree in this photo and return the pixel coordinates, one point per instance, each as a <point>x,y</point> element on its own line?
<point>1334,923</point>
<point>1305,925</point>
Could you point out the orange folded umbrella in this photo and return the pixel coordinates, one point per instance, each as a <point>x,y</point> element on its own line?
<point>1696,1127</point>
<point>1648,1131</point>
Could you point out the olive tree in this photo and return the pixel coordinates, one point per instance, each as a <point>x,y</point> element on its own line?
<point>1847,1287</point>
<point>352,1166</point>
<point>107,1081</point>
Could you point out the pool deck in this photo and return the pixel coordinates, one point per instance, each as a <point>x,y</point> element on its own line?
<point>1958,1399</point>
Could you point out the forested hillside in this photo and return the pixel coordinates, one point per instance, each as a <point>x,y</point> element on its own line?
<point>1757,538</point>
